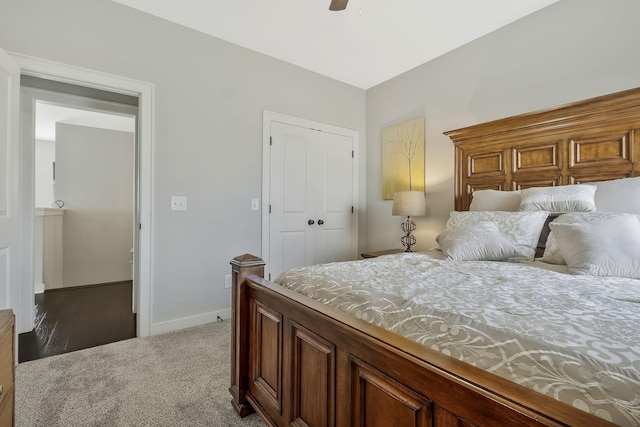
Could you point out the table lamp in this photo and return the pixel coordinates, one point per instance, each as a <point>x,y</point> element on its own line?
<point>409,203</point>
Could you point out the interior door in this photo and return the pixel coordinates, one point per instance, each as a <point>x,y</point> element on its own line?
<point>310,197</point>
<point>290,240</point>
<point>333,157</point>
<point>9,188</point>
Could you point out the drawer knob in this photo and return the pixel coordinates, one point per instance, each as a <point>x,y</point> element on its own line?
<point>0,389</point>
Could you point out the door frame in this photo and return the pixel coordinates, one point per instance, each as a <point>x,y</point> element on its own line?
<point>269,117</point>
<point>143,233</point>
<point>30,96</point>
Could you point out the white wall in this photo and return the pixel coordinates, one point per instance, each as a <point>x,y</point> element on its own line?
<point>569,51</point>
<point>209,96</point>
<point>94,178</point>
<point>45,155</point>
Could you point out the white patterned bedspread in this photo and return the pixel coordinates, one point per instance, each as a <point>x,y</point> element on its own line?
<point>574,338</point>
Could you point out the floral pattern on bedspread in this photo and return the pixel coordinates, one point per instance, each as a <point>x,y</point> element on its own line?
<point>574,338</point>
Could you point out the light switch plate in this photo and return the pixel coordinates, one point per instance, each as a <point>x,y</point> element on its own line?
<point>178,203</point>
<point>255,204</point>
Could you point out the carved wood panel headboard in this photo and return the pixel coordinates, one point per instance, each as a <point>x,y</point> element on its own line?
<point>593,140</point>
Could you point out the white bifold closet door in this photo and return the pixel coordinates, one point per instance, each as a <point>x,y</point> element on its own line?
<point>311,197</point>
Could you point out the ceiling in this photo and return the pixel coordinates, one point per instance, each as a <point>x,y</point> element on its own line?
<point>47,115</point>
<point>366,44</point>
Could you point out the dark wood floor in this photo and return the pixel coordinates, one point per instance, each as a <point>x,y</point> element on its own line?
<point>76,318</point>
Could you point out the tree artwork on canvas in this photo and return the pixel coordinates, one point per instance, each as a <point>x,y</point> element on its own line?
<point>403,158</point>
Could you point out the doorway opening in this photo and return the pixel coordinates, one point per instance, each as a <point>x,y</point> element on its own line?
<point>85,227</point>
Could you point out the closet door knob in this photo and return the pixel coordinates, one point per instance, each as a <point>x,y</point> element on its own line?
<point>320,222</point>
<point>310,222</point>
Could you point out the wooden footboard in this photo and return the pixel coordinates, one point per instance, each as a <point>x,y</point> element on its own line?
<point>298,362</point>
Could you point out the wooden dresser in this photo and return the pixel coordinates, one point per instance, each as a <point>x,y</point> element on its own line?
<point>7,364</point>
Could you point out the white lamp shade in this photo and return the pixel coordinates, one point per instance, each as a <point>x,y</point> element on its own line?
<point>409,203</point>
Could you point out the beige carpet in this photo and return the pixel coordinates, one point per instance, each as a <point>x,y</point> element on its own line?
<point>175,379</point>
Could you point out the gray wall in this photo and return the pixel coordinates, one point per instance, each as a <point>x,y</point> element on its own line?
<point>569,51</point>
<point>94,178</point>
<point>45,155</point>
<point>209,98</point>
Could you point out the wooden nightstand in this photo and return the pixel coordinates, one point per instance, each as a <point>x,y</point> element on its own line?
<point>374,254</point>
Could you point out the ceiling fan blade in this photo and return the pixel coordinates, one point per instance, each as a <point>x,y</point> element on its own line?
<point>338,4</point>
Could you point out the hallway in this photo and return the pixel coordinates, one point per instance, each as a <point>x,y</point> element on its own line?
<point>77,318</point>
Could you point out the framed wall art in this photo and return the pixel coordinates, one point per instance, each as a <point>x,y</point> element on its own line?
<point>403,158</point>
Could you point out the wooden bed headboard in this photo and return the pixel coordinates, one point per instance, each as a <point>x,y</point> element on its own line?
<point>593,140</point>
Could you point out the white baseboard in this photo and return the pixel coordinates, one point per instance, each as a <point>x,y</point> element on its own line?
<point>187,322</point>
<point>38,288</point>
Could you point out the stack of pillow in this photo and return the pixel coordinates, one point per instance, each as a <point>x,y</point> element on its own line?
<point>593,228</point>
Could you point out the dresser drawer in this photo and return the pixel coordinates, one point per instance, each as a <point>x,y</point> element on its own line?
<point>6,364</point>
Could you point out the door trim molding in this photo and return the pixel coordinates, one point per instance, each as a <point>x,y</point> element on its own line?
<point>145,92</point>
<point>267,118</point>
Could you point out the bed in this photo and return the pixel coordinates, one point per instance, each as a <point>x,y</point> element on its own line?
<point>302,354</point>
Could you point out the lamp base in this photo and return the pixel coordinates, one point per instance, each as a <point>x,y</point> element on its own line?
<point>408,239</point>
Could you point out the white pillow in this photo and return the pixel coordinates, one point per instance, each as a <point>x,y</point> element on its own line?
<point>618,195</point>
<point>494,200</point>
<point>565,198</point>
<point>552,253</point>
<point>605,247</point>
<point>476,242</point>
<point>522,229</point>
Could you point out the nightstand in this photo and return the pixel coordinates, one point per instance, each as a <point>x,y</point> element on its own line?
<point>374,254</point>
